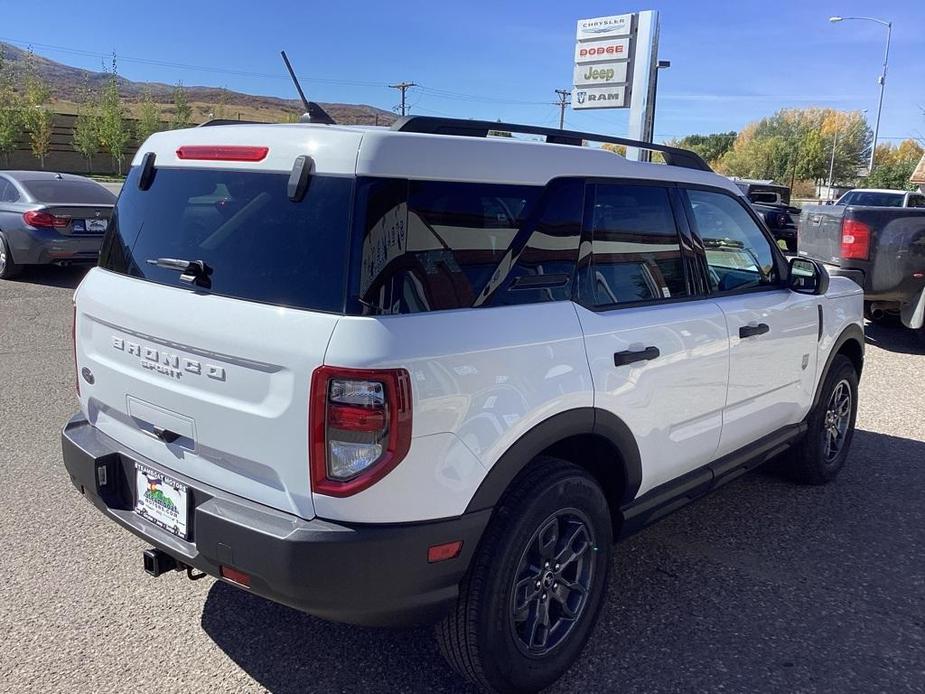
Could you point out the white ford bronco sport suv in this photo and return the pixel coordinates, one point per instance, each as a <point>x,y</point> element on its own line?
<point>410,374</point>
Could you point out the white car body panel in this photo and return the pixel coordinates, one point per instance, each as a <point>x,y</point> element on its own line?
<point>771,376</point>
<point>672,404</point>
<point>487,376</point>
<point>249,420</point>
<point>345,150</point>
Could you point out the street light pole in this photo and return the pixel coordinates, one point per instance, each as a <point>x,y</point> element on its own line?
<point>881,79</point>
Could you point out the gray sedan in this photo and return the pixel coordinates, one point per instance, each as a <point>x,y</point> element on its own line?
<point>50,218</point>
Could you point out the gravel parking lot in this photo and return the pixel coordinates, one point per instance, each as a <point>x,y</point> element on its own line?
<point>763,586</point>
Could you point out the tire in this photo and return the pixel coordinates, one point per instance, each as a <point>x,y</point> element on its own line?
<point>481,638</point>
<point>821,454</point>
<point>8,268</point>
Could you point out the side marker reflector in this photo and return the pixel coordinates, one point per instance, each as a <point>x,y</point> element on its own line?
<point>448,550</point>
<point>235,576</point>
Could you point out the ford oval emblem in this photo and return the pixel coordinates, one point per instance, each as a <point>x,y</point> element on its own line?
<point>88,375</point>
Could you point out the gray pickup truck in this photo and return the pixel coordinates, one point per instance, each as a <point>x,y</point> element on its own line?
<point>876,238</point>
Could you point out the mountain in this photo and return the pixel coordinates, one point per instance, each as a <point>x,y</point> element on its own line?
<point>66,84</point>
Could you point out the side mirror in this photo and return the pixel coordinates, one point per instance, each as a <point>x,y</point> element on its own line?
<point>807,277</point>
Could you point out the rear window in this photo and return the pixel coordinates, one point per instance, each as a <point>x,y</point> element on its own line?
<point>872,199</point>
<point>260,245</point>
<point>54,191</point>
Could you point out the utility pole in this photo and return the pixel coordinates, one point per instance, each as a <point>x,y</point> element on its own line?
<point>832,160</point>
<point>403,87</point>
<point>563,101</point>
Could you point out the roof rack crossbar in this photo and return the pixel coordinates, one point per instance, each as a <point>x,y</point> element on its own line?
<point>674,156</point>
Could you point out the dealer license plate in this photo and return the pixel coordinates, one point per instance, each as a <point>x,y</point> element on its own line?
<point>161,500</point>
<point>89,226</point>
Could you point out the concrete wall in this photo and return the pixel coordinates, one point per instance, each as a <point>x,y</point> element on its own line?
<point>62,156</point>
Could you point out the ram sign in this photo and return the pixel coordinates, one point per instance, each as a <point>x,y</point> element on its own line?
<point>599,97</point>
<point>603,61</point>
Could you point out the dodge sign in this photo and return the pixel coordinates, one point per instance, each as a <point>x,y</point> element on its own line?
<point>597,51</point>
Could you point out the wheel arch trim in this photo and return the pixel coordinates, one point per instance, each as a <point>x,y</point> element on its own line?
<point>852,332</point>
<point>555,429</point>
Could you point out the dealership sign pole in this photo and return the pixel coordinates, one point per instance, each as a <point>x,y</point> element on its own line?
<point>615,62</point>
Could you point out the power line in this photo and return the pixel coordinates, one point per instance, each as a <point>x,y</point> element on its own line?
<point>185,66</point>
<point>403,87</point>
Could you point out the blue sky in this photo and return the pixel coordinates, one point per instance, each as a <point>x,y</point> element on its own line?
<point>732,62</point>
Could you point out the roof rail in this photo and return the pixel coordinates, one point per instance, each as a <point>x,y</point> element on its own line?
<point>229,121</point>
<point>433,125</point>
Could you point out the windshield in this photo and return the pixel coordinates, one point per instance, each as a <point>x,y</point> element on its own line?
<point>259,245</point>
<point>871,199</point>
<point>55,191</point>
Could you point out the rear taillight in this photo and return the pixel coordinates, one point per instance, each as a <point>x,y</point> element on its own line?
<point>359,427</point>
<point>45,220</point>
<point>74,344</point>
<point>855,240</point>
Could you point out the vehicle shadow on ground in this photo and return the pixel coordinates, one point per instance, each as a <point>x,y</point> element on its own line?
<point>67,277</point>
<point>895,338</point>
<point>762,562</point>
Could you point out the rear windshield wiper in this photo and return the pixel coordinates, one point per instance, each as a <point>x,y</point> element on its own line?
<point>194,271</point>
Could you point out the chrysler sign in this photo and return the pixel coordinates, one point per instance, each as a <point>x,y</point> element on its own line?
<point>604,27</point>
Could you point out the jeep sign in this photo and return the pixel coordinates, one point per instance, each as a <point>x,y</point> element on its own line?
<point>604,73</point>
<point>599,97</point>
<point>599,51</point>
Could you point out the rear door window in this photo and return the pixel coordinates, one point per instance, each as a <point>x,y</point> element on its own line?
<point>68,191</point>
<point>636,250</point>
<point>260,245</point>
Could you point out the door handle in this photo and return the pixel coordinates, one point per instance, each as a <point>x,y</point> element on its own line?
<point>629,356</point>
<point>752,330</point>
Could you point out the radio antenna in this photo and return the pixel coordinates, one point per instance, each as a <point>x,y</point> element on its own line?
<point>313,111</point>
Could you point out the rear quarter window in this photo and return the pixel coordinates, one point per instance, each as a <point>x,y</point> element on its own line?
<point>437,245</point>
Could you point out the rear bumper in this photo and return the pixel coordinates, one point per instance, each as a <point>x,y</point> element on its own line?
<point>376,575</point>
<point>44,246</point>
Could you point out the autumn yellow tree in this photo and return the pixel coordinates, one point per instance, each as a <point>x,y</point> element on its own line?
<point>797,144</point>
<point>893,166</point>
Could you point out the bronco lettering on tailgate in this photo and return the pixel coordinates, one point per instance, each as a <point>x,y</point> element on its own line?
<point>168,363</point>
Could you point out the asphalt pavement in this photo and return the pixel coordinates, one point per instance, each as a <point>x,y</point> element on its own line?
<point>762,587</point>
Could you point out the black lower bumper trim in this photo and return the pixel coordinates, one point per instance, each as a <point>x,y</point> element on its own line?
<point>375,575</point>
